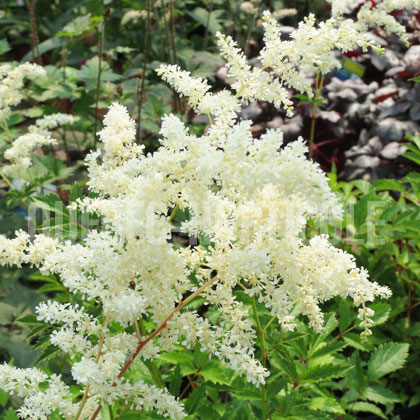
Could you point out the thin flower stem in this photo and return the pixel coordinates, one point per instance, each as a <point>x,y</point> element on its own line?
<point>261,332</point>
<point>98,79</point>
<point>155,333</point>
<point>140,91</point>
<point>415,305</point>
<point>30,4</point>
<point>269,323</point>
<point>173,46</point>
<point>343,333</point>
<point>171,217</point>
<point>318,89</point>
<point>168,43</point>
<point>136,323</point>
<point>7,131</point>
<point>82,404</point>
<point>172,30</point>
<point>111,413</point>
<point>184,391</point>
<point>6,180</point>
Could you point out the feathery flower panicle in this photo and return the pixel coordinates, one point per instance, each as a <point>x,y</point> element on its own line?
<point>44,125</point>
<point>12,82</point>
<point>249,198</point>
<point>21,151</point>
<point>38,135</point>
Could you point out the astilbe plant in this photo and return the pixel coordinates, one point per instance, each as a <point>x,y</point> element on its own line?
<point>249,198</point>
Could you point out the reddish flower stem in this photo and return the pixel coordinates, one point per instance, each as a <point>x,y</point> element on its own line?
<point>154,334</point>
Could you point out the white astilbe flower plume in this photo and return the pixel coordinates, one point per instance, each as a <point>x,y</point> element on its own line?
<point>377,14</point>
<point>20,152</point>
<point>285,63</point>
<point>11,83</point>
<point>248,200</point>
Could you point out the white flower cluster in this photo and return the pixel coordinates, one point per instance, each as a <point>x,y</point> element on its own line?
<point>378,14</point>
<point>19,154</point>
<point>11,82</point>
<point>44,125</point>
<point>248,199</point>
<point>286,64</point>
<point>41,394</point>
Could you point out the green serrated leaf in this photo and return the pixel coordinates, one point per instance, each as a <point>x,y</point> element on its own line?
<point>4,46</point>
<point>50,202</point>
<point>76,191</point>
<point>355,375</point>
<point>382,312</point>
<point>4,397</point>
<point>355,341</point>
<point>322,372</point>
<point>10,414</point>
<point>52,288</point>
<point>76,27</point>
<point>274,387</point>
<point>89,73</point>
<point>215,372</point>
<point>388,184</point>
<point>379,394</point>
<point>38,330</point>
<point>176,379</point>
<point>387,358</point>
<point>30,319</point>
<point>194,398</point>
<point>327,404</point>
<point>50,351</point>
<point>281,359</point>
<point>368,408</point>
<point>346,315</point>
<point>201,15</point>
<point>183,358</point>
<point>45,46</point>
<point>328,349</point>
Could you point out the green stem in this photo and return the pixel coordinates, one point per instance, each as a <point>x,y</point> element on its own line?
<point>318,89</point>
<point>171,217</point>
<point>6,129</point>
<point>168,42</point>
<point>98,80</point>
<point>111,413</point>
<point>6,180</point>
<point>140,92</point>
<point>82,404</point>
<point>173,45</point>
<point>261,332</point>
<point>343,333</point>
<point>269,323</point>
